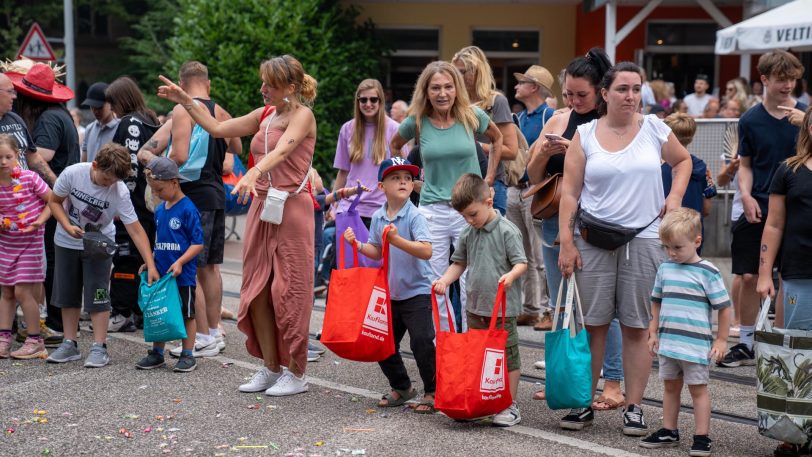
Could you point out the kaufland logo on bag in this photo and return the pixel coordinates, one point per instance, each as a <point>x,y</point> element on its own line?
<point>493,373</point>
<point>376,318</point>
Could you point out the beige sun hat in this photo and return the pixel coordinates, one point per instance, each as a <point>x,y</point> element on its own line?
<point>538,75</point>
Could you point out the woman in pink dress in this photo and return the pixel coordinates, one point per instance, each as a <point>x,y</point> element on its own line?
<point>276,297</point>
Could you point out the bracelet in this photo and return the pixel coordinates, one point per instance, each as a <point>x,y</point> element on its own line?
<point>335,196</point>
<point>360,245</point>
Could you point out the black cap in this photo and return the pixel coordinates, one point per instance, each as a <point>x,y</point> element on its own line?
<point>703,77</point>
<point>95,95</point>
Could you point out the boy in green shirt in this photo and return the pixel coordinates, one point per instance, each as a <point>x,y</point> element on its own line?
<point>491,250</point>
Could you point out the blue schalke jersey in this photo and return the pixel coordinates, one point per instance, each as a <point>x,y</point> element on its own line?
<point>177,228</point>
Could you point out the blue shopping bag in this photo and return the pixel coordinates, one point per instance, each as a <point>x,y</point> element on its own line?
<point>567,356</point>
<point>160,303</point>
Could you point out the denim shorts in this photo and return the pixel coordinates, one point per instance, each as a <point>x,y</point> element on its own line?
<point>798,304</point>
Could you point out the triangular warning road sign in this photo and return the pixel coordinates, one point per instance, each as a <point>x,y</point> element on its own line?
<point>35,46</point>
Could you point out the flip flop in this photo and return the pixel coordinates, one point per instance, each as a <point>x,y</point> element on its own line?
<point>540,395</point>
<point>403,397</point>
<point>610,404</point>
<point>424,407</point>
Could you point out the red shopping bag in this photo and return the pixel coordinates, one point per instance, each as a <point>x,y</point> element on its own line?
<point>472,379</point>
<point>357,324</point>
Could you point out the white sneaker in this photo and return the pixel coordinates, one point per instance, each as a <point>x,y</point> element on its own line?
<point>221,342</point>
<point>540,365</point>
<point>312,356</point>
<point>200,350</point>
<point>288,384</point>
<point>119,323</point>
<point>509,417</point>
<point>262,380</point>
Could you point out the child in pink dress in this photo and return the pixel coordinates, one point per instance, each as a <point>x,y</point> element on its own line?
<point>23,211</point>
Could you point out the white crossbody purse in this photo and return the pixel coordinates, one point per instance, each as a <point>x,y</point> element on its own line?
<point>274,207</point>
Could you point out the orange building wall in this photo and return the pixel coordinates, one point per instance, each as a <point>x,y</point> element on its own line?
<point>591,30</point>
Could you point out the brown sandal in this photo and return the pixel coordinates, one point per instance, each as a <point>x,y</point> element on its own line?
<point>610,404</point>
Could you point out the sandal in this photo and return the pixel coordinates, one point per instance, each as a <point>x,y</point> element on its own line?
<point>540,395</point>
<point>388,400</point>
<point>425,406</point>
<point>609,403</point>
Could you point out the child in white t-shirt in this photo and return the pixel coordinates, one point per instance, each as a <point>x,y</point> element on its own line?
<point>86,198</point>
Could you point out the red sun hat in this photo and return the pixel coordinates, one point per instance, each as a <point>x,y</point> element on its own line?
<point>40,83</point>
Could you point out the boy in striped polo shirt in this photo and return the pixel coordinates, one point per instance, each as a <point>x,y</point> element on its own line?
<point>687,288</point>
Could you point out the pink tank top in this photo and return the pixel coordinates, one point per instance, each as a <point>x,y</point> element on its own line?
<point>289,174</point>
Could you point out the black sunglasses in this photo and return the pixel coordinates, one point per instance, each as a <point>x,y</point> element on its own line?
<point>373,100</point>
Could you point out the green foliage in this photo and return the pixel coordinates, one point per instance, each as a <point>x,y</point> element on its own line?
<point>148,50</point>
<point>233,38</point>
<point>16,18</point>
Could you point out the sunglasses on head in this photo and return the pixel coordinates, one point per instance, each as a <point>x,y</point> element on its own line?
<point>365,100</point>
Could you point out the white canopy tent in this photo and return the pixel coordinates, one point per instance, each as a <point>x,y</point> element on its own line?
<point>788,26</point>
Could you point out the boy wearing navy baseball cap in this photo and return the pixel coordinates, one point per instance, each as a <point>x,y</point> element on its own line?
<point>178,242</point>
<point>409,284</point>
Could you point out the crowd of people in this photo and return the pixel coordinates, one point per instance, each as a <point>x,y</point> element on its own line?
<point>440,184</point>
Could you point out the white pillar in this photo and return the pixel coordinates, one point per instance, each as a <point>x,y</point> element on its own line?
<point>611,29</point>
<point>70,58</point>
<point>744,66</point>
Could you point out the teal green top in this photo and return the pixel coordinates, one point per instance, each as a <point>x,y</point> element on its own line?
<point>447,154</point>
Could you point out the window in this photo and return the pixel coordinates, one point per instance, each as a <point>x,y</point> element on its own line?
<point>410,39</point>
<point>412,49</point>
<point>507,41</point>
<point>681,34</point>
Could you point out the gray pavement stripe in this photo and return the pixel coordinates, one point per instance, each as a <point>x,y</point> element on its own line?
<point>518,429</point>
<point>569,441</point>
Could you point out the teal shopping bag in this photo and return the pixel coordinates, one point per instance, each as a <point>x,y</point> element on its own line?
<point>567,356</point>
<point>160,303</point>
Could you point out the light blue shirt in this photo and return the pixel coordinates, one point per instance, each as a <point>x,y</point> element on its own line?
<point>97,135</point>
<point>531,123</point>
<point>687,294</point>
<point>408,275</point>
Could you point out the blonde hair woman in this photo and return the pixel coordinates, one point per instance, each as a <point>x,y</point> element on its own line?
<point>363,143</point>
<point>276,297</point>
<point>735,90</point>
<point>442,117</point>
<point>476,72</point>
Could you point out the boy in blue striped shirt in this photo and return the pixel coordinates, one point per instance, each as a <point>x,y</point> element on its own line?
<point>686,290</point>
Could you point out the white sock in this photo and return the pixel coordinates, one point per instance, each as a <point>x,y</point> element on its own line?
<point>203,338</point>
<point>746,335</point>
<point>214,332</point>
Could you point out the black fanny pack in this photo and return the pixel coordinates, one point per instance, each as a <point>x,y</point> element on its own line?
<point>97,246</point>
<point>606,235</point>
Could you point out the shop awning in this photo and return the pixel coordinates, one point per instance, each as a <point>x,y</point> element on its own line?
<point>788,26</point>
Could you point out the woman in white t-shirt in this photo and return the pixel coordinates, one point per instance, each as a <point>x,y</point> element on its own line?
<point>612,171</point>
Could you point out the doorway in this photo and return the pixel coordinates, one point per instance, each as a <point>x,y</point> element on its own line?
<point>681,69</point>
